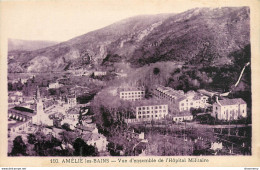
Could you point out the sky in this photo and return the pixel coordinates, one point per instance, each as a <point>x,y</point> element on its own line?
<point>61,20</point>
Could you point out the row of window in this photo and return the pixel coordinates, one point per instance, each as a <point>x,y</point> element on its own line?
<point>131,93</point>
<point>148,112</point>
<point>151,107</point>
<point>125,97</point>
<point>148,116</point>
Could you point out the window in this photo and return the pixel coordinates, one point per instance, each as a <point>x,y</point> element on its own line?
<point>164,110</point>
<point>139,108</point>
<point>148,116</point>
<point>144,116</point>
<point>139,116</point>
<point>191,103</point>
<point>148,111</point>
<point>160,107</point>
<point>182,104</point>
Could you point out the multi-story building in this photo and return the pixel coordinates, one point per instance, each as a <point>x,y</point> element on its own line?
<point>229,109</point>
<point>179,100</point>
<point>131,93</point>
<point>167,93</point>
<point>151,112</point>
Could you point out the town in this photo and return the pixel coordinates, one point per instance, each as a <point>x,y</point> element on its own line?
<point>82,114</point>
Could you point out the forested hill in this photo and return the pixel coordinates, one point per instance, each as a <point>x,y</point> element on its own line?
<point>201,36</point>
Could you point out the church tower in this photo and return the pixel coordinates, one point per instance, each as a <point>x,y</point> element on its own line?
<point>40,116</point>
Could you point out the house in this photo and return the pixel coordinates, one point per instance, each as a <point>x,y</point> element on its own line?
<point>55,85</point>
<point>18,126</point>
<point>100,73</point>
<point>131,93</point>
<point>15,97</point>
<point>229,109</point>
<point>73,113</point>
<point>183,116</point>
<point>97,140</point>
<point>216,146</point>
<point>133,135</point>
<point>72,100</point>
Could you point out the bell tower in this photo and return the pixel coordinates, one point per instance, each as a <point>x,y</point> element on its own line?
<point>38,118</point>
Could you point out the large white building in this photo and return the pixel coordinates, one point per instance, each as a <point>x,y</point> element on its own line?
<point>151,112</point>
<point>179,100</point>
<point>131,93</point>
<point>229,109</point>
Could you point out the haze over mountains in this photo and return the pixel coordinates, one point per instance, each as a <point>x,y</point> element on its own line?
<point>28,45</point>
<point>201,36</point>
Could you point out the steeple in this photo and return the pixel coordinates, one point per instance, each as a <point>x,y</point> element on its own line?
<point>38,94</point>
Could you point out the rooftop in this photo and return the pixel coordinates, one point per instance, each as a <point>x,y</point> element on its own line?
<point>227,101</point>
<point>22,109</point>
<point>128,88</point>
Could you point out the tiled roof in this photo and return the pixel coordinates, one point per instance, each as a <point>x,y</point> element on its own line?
<point>232,101</point>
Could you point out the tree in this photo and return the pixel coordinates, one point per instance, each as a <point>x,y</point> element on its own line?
<point>19,147</point>
<point>83,149</point>
<point>66,126</point>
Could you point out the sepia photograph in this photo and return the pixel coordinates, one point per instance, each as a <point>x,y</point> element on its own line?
<point>128,83</point>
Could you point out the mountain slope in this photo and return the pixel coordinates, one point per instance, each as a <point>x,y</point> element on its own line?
<point>198,36</point>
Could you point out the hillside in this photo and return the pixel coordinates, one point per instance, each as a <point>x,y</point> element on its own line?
<point>200,36</point>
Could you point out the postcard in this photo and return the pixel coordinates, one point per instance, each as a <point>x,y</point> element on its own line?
<point>130,83</point>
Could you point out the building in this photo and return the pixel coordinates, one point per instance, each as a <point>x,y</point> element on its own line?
<point>130,135</point>
<point>15,98</point>
<point>18,126</point>
<point>205,92</point>
<point>229,109</point>
<point>55,85</point>
<point>72,100</point>
<point>100,73</point>
<point>167,93</point>
<point>21,114</point>
<point>151,112</point>
<point>73,113</point>
<point>131,93</point>
<point>183,116</point>
<point>180,101</point>
<point>97,140</point>
<point>216,146</point>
